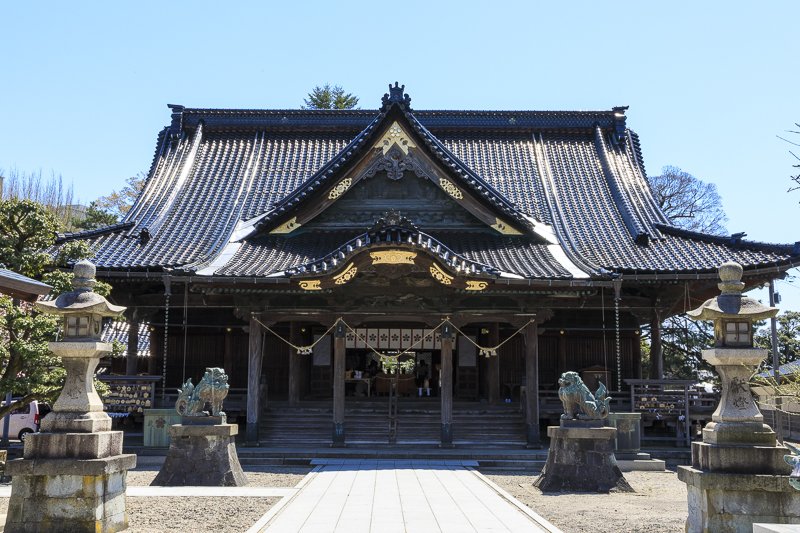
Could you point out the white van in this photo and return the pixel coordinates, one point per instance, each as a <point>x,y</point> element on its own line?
<point>22,421</point>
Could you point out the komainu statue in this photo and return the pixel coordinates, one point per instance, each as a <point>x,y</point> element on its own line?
<point>212,389</point>
<point>578,401</point>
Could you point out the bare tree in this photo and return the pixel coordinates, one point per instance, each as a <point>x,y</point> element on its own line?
<point>795,178</point>
<point>119,202</point>
<point>51,192</point>
<point>688,201</point>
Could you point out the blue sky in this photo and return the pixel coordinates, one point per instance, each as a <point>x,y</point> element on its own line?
<point>710,84</point>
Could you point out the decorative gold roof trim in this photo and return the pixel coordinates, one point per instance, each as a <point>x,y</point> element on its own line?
<point>450,188</point>
<point>395,135</point>
<point>310,285</point>
<point>504,228</point>
<point>393,257</point>
<point>347,275</point>
<point>440,275</point>
<point>340,188</point>
<point>287,227</point>
<point>475,285</point>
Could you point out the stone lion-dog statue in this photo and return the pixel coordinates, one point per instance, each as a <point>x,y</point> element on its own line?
<point>578,402</point>
<point>212,389</point>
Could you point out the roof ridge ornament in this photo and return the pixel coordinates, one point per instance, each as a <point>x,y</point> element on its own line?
<point>396,96</point>
<point>620,129</point>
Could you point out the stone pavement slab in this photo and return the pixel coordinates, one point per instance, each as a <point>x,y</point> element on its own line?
<point>140,491</point>
<point>387,496</point>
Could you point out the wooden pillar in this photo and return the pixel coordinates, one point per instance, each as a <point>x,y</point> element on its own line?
<point>493,366</point>
<point>446,439</point>
<point>656,352</point>
<point>338,384</point>
<point>227,354</point>
<point>532,384</point>
<point>294,364</point>
<point>155,351</point>
<point>132,355</point>
<point>562,353</point>
<point>254,359</point>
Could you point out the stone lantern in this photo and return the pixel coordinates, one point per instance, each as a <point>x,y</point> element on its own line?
<point>737,419</point>
<point>79,408</point>
<point>72,474</point>
<point>738,475</point>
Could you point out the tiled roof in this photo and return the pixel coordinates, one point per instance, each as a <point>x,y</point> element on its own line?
<point>580,173</point>
<point>117,330</point>
<point>19,286</point>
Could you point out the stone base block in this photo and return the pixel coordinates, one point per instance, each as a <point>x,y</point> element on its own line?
<point>67,422</point>
<point>581,460</point>
<point>68,495</point>
<point>739,434</point>
<point>734,502</point>
<point>740,459</point>
<point>202,456</point>
<point>204,420</point>
<point>641,465</point>
<point>774,528</point>
<point>73,445</point>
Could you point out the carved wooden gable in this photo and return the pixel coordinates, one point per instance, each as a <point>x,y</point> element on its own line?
<point>396,175</point>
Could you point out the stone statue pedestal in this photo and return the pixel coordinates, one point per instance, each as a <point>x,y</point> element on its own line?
<point>69,482</point>
<point>581,459</point>
<point>201,454</point>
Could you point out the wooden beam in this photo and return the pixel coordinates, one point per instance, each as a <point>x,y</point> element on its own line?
<point>254,360</point>
<point>446,439</point>
<point>531,335</point>
<point>338,384</point>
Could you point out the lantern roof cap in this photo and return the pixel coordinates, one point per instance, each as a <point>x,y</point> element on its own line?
<point>81,299</point>
<point>731,303</point>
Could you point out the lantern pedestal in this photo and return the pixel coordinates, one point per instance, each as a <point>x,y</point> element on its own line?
<point>72,475</point>
<point>738,475</point>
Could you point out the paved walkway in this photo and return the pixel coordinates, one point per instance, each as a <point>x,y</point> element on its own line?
<point>388,496</point>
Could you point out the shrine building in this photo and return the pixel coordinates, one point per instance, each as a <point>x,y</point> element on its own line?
<point>319,256</point>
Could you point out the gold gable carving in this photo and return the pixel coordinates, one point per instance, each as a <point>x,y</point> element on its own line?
<point>440,275</point>
<point>347,275</point>
<point>310,285</point>
<point>393,257</point>
<point>287,227</point>
<point>475,285</point>
<point>450,188</point>
<point>340,188</point>
<point>504,228</point>
<point>395,135</point>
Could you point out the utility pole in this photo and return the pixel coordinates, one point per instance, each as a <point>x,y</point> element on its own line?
<point>773,324</point>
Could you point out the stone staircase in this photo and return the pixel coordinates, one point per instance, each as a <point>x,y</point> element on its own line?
<point>367,424</point>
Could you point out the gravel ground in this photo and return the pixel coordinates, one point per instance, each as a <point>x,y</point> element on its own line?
<point>201,514</point>
<point>273,476</point>
<point>658,505</point>
<point>147,515</point>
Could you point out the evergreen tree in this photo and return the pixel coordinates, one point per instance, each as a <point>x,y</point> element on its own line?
<point>327,97</point>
